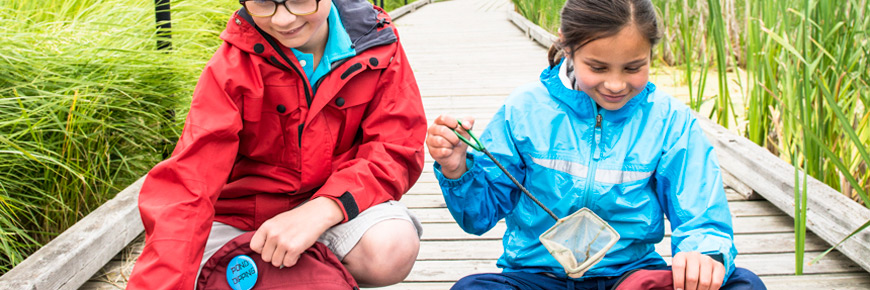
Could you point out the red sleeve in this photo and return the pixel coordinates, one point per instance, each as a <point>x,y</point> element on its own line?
<point>176,201</point>
<point>390,157</point>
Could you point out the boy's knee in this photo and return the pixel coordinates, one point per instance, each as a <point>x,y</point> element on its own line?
<point>742,278</point>
<point>386,254</point>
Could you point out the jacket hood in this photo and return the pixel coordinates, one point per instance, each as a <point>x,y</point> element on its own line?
<point>582,104</point>
<point>366,25</point>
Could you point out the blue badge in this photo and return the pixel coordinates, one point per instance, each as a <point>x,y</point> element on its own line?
<point>242,273</point>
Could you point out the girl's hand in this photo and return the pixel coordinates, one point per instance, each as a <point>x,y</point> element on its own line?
<point>696,271</point>
<point>282,239</point>
<point>445,147</point>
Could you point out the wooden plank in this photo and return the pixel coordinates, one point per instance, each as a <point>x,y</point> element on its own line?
<point>830,215</point>
<point>840,281</point>
<point>436,200</point>
<point>410,7</point>
<point>490,249</point>
<point>75,255</point>
<point>742,225</point>
<point>740,187</point>
<point>762,265</point>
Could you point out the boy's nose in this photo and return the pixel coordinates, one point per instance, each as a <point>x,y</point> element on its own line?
<point>282,16</point>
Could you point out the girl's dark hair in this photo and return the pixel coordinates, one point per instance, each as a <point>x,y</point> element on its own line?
<point>586,20</point>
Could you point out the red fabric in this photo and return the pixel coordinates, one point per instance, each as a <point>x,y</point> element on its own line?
<point>239,159</point>
<point>647,279</point>
<point>317,269</point>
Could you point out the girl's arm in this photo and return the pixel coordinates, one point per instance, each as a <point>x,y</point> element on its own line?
<point>481,195</point>
<point>691,194</point>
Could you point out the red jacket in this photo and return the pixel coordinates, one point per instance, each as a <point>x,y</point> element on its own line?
<point>256,143</point>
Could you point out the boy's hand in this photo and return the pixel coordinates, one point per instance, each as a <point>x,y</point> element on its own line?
<point>696,271</point>
<point>283,238</point>
<point>445,147</point>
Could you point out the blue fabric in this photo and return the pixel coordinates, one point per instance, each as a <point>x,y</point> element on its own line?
<point>647,160</point>
<point>338,47</point>
<point>741,279</point>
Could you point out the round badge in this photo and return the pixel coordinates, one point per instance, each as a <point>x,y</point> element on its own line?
<point>242,273</point>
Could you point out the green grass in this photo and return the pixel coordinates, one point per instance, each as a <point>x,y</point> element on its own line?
<point>84,102</point>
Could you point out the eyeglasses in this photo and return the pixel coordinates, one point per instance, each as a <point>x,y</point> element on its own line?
<point>267,8</point>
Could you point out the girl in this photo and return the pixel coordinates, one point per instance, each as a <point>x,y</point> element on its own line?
<point>306,125</point>
<point>593,132</point>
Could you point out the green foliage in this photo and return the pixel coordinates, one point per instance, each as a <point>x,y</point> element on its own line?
<point>86,105</point>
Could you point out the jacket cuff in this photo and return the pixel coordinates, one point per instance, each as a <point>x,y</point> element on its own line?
<point>348,205</point>
<point>447,182</point>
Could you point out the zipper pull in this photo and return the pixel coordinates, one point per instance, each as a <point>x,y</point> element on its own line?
<point>597,153</point>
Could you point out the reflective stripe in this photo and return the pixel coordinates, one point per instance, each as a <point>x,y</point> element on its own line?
<point>619,176</point>
<point>569,167</point>
<point>601,175</point>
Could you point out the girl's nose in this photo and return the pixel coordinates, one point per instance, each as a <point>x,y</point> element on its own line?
<point>615,85</point>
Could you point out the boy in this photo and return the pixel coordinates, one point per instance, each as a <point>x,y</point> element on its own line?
<point>306,125</point>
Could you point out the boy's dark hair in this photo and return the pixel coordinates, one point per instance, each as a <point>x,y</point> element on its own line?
<point>586,20</point>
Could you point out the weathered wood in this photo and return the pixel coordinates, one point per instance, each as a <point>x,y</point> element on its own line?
<point>763,265</point>
<point>536,33</point>
<point>482,249</point>
<point>840,281</point>
<point>739,187</point>
<point>830,215</point>
<point>75,255</point>
<point>411,7</point>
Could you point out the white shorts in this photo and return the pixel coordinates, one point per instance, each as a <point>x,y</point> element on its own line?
<point>340,239</point>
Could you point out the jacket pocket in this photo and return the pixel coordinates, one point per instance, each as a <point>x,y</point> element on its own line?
<point>263,133</point>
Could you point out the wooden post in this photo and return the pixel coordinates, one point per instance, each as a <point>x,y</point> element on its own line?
<point>164,24</point>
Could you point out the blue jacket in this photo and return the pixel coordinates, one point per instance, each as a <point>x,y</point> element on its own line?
<point>647,160</point>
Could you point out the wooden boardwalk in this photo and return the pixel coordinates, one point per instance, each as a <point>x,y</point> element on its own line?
<point>467,58</point>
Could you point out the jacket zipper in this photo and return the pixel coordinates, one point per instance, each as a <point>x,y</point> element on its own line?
<point>596,154</point>
<point>307,88</point>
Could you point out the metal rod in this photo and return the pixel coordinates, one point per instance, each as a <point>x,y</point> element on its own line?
<point>517,183</point>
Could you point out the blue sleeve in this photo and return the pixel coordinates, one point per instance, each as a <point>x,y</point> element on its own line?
<point>689,186</point>
<point>484,194</point>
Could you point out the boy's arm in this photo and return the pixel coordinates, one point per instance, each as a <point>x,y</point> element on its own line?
<point>390,157</point>
<point>689,186</point>
<point>176,201</point>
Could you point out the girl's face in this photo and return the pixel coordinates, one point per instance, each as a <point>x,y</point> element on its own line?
<point>306,33</point>
<point>614,69</point>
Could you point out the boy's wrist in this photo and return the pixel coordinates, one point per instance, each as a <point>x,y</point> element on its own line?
<point>328,209</point>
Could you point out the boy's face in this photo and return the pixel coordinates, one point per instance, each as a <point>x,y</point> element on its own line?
<point>614,69</point>
<point>306,33</point>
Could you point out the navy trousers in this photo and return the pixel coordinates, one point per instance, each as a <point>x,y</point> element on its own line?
<point>739,280</point>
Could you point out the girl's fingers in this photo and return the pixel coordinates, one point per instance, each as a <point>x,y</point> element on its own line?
<point>718,275</point>
<point>678,268</point>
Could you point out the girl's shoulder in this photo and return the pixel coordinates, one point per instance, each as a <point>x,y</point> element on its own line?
<point>662,102</point>
<point>533,93</point>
